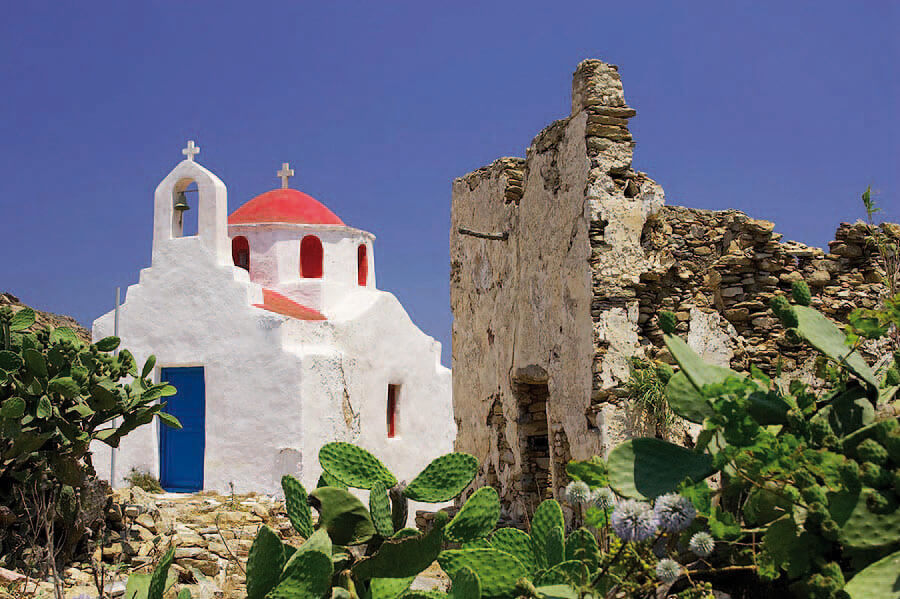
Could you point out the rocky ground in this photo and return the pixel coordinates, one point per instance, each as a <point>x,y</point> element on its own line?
<point>212,534</point>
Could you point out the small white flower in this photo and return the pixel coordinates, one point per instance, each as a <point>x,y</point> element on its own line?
<point>578,491</point>
<point>674,512</point>
<point>702,544</point>
<point>603,498</point>
<point>633,521</point>
<point>668,570</point>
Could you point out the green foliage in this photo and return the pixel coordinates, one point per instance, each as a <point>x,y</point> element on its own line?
<point>646,386</point>
<point>811,473</point>
<point>548,517</point>
<point>143,480</point>
<point>57,396</point>
<point>386,567</point>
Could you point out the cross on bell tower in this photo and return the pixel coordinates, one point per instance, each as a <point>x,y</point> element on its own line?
<point>191,150</point>
<point>285,173</point>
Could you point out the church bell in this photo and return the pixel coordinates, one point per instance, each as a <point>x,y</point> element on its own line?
<point>181,202</point>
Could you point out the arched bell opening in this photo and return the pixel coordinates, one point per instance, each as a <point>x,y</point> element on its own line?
<point>240,252</point>
<point>311,257</point>
<point>185,208</point>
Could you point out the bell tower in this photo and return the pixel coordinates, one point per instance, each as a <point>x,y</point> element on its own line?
<point>170,202</point>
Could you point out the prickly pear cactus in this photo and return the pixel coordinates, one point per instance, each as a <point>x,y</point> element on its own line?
<point>497,570</point>
<point>264,563</point>
<point>645,468</point>
<point>466,584</point>
<point>555,547</point>
<point>517,543</point>
<point>443,479</point>
<point>582,546</point>
<point>826,337</point>
<point>405,556</point>
<point>160,575</point>
<point>354,466</point>
<point>878,580</point>
<point>380,509</point>
<point>297,505</point>
<point>308,574</point>
<point>547,517</point>
<point>343,515</point>
<point>477,517</point>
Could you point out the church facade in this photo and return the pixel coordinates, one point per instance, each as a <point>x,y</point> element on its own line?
<point>269,323</point>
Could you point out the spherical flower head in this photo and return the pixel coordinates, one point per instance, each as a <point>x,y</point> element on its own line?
<point>578,491</point>
<point>668,570</point>
<point>674,512</point>
<point>702,544</point>
<point>603,498</point>
<point>633,520</point>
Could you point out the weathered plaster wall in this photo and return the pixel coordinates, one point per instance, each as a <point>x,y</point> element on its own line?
<point>560,263</point>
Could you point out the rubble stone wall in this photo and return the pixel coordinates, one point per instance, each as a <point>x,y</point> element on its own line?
<point>559,264</point>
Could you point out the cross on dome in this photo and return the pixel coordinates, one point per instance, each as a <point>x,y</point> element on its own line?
<point>285,173</point>
<point>191,150</point>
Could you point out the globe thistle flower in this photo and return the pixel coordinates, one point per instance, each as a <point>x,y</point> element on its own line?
<point>674,512</point>
<point>668,570</point>
<point>702,544</point>
<point>603,498</point>
<point>633,520</point>
<point>578,491</point>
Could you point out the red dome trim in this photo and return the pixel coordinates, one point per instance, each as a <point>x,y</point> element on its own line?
<point>284,206</point>
<point>275,302</point>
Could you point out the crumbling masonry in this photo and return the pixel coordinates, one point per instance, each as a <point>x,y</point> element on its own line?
<point>559,264</point>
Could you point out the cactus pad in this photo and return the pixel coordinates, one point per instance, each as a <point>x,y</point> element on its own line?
<point>547,517</point>
<point>516,543</point>
<point>477,517</point>
<point>380,510</point>
<point>497,570</point>
<point>826,337</point>
<point>160,575</point>
<point>685,400</point>
<point>466,584</point>
<point>645,467</point>
<point>555,547</point>
<point>443,479</point>
<point>402,557</point>
<point>297,506</point>
<point>571,572</point>
<point>306,575</point>
<point>354,466</point>
<point>389,588</point>
<point>344,516</point>
<point>264,563</point>
<point>699,372</point>
<point>860,528</point>
<point>877,581</point>
<point>582,546</point>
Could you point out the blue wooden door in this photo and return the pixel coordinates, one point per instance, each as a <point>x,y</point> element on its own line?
<point>181,451</point>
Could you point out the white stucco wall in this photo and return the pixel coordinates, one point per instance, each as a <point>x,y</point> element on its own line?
<point>275,261</point>
<point>277,388</point>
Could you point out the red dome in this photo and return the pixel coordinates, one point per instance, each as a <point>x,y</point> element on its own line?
<point>284,206</point>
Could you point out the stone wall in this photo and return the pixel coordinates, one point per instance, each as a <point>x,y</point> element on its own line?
<point>559,264</point>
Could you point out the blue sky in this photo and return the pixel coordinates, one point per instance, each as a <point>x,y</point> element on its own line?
<point>785,110</point>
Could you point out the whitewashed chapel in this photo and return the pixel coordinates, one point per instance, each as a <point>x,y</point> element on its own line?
<point>269,323</point>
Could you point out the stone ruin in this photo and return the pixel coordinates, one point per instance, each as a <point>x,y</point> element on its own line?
<point>559,264</point>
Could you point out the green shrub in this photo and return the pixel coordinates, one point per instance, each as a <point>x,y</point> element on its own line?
<point>57,395</point>
<point>808,493</point>
<point>144,481</point>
